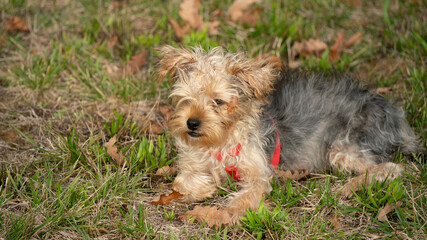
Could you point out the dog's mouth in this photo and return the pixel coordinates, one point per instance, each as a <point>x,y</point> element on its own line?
<point>194,134</point>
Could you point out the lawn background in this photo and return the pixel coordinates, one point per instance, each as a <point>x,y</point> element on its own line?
<point>62,97</point>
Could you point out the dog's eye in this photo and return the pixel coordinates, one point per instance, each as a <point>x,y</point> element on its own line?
<point>219,102</point>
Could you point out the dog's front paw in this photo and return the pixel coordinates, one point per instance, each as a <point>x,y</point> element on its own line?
<point>192,191</point>
<point>212,216</point>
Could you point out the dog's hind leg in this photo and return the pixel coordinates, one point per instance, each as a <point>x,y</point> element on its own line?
<point>349,158</point>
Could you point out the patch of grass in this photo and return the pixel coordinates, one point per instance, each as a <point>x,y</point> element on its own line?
<point>61,100</point>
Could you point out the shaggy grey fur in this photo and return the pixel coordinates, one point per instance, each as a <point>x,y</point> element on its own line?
<point>315,112</point>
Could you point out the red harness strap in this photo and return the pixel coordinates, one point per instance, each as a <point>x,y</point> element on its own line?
<point>234,172</point>
<point>276,155</point>
<point>231,170</point>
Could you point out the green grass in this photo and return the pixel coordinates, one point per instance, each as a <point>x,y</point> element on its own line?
<point>61,101</point>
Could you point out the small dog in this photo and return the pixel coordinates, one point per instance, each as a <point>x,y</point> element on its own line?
<point>234,114</point>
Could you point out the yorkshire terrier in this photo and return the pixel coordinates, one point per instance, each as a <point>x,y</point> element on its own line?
<point>236,116</point>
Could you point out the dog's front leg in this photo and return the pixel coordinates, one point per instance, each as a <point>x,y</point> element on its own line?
<point>195,186</point>
<point>254,185</point>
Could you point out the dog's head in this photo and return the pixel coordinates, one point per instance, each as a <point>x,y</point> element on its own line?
<point>212,91</point>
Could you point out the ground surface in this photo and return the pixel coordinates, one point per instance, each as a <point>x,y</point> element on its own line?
<point>73,74</point>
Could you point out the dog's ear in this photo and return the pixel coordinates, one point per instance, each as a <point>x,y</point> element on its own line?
<point>255,75</point>
<point>173,58</point>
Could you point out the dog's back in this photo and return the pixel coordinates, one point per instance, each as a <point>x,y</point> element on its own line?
<point>322,114</point>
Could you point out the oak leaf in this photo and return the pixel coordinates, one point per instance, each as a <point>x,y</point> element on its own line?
<point>112,151</point>
<point>236,11</point>
<point>3,40</point>
<point>212,216</point>
<point>112,41</point>
<point>179,31</point>
<point>189,12</point>
<point>337,48</point>
<point>166,112</point>
<point>353,40</point>
<point>165,199</point>
<point>16,24</point>
<point>292,175</point>
<point>155,128</point>
<point>311,47</point>
<point>382,216</point>
<point>136,62</point>
<point>166,171</point>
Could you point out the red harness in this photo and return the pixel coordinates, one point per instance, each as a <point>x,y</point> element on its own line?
<point>234,172</point>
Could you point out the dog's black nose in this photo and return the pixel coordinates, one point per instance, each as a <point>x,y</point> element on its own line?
<point>193,124</point>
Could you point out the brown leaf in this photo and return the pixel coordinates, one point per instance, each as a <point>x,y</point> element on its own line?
<point>112,41</point>
<point>238,8</point>
<point>134,64</point>
<point>189,12</point>
<point>335,223</point>
<point>179,31</point>
<point>210,215</point>
<point>116,4</point>
<point>212,27</point>
<point>355,3</point>
<point>155,128</point>
<point>165,199</point>
<point>251,16</point>
<point>353,39</point>
<point>166,112</point>
<point>3,40</point>
<point>112,151</point>
<point>382,90</point>
<point>16,24</point>
<point>308,48</point>
<point>296,175</point>
<point>232,105</point>
<point>337,48</point>
<point>166,171</point>
<point>294,64</point>
<point>382,216</point>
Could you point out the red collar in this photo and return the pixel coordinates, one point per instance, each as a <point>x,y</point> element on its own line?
<point>234,172</point>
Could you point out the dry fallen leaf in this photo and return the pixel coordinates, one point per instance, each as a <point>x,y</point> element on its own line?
<point>232,105</point>
<point>237,10</point>
<point>116,4</point>
<point>382,90</point>
<point>112,151</point>
<point>382,216</point>
<point>189,12</point>
<point>3,40</point>
<point>296,175</point>
<point>335,223</point>
<point>178,30</point>
<point>355,3</point>
<point>340,45</point>
<point>155,128</point>
<point>166,112</point>
<point>251,16</point>
<point>166,171</point>
<point>337,48</point>
<point>210,215</point>
<point>308,48</point>
<point>112,41</point>
<point>16,24</point>
<point>134,64</point>
<point>353,39</point>
<point>212,27</point>
<point>165,199</point>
